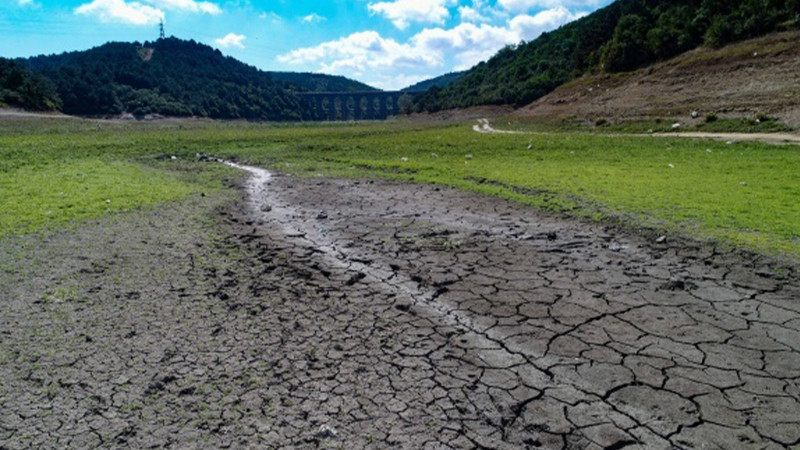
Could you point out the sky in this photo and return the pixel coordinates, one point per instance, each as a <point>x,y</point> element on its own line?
<point>389,44</point>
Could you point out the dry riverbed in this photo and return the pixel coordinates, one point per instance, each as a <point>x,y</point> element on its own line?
<point>305,313</point>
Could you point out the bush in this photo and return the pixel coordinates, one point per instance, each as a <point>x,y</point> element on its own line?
<point>711,117</point>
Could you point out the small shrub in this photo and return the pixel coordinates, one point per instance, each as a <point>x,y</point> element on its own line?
<point>762,117</point>
<point>600,122</point>
<point>711,117</point>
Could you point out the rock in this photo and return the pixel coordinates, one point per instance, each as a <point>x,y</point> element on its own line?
<point>678,285</point>
<point>266,208</point>
<point>326,432</point>
<point>661,239</point>
<point>615,247</point>
<point>695,114</point>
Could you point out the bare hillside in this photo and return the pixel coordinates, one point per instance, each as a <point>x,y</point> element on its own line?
<point>759,75</point>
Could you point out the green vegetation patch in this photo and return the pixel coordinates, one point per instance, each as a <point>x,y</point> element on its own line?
<point>37,197</point>
<point>742,193</point>
<point>745,193</point>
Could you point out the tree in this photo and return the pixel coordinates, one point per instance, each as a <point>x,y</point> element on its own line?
<point>406,104</point>
<point>627,50</point>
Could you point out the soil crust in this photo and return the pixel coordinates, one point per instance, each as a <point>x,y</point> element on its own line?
<point>329,313</point>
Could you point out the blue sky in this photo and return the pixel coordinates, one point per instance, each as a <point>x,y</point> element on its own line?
<point>386,43</point>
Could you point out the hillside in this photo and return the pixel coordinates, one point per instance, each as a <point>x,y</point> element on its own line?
<point>176,78</point>
<point>317,82</point>
<point>758,76</point>
<point>170,77</point>
<point>623,36</point>
<point>22,88</point>
<point>440,82</point>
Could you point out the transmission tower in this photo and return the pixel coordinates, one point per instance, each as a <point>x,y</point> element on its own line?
<point>161,34</point>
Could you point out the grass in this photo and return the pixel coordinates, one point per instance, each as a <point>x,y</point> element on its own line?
<point>646,126</point>
<point>746,194</point>
<point>37,197</point>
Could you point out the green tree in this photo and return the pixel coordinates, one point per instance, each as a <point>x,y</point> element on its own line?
<point>628,49</point>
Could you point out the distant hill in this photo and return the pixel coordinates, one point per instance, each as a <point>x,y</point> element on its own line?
<point>440,82</point>
<point>317,82</point>
<point>175,77</point>
<point>623,36</point>
<point>22,88</point>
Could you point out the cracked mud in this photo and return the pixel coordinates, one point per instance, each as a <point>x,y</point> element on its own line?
<point>372,314</point>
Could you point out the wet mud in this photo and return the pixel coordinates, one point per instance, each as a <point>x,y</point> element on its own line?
<point>325,313</point>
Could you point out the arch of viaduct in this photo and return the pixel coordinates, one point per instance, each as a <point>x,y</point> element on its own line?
<point>368,105</point>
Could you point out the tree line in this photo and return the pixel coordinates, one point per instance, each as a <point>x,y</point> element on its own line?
<point>22,88</point>
<point>170,77</point>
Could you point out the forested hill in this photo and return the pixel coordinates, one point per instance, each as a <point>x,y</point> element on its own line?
<point>440,82</point>
<point>620,37</point>
<point>174,77</point>
<point>317,82</point>
<point>22,88</point>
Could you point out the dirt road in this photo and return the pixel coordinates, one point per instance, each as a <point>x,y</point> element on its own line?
<point>485,127</point>
<point>324,313</point>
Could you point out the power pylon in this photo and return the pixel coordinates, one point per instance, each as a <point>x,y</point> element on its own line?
<point>161,34</point>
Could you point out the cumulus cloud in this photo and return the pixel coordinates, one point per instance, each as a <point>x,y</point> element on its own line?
<point>190,6</point>
<point>527,5</point>
<point>471,43</point>
<point>354,54</point>
<point>133,13</point>
<point>470,14</point>
<point>231,40</point>
<point>313,18</point>
<point>136,13</point>
<point>369,53</point>
<point>403,12</point>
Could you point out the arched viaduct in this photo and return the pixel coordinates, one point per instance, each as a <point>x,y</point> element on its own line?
<point>367,105</point>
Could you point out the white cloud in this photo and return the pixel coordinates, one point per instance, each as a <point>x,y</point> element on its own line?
<point>313,18</point>
<point>271,16</point>
<point>231,40</point>
<point>191,6</point>
<point>529,27</point>
<point>136,13</point>
<point>133,13</point>
<point>527,5</point>
<point>471,43</point>
<point>403,12</point>
<point>358,53</point>
<point>369,54</point>
<point>470,14</point>
<point>24,3</point>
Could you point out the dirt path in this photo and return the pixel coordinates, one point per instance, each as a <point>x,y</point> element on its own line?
<point>17,113</point>
<point>484,127</point>
<point>769,138</point>
<point>372,314</point>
